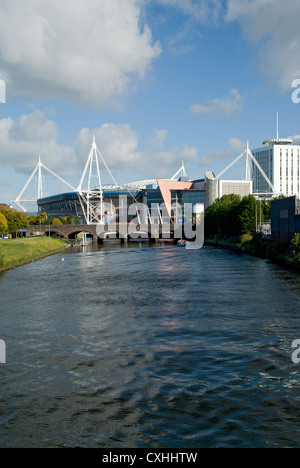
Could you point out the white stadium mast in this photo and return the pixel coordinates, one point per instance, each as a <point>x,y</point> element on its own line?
<point>91,198</point>
<point>90,190</point>
<point>39,171</point>
<point>249,156</point>
<point>181,171</point>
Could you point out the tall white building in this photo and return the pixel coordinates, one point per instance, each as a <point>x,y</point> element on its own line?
<point>280,161</point>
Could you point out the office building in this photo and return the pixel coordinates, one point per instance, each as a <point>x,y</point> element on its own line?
<point>280,161</point>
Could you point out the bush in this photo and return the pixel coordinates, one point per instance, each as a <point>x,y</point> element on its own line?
<point>296,243</point>
<point>246,238</point>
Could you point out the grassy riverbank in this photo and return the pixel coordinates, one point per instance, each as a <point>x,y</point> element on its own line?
<point>275,251</point>
<point>16,252</point>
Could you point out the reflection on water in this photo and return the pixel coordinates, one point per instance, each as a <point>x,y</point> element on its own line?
<point>138,346</point>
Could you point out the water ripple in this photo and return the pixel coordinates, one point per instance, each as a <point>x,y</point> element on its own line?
<point>150,347</point>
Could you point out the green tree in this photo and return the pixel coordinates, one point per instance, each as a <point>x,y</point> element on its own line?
<point>296,242</point>
<point>250,214</point>
<point>23,219</point>
<point>32,220</point>
<point>56,222</point>
<point>266,209</point>
<point>223,216</point>
<point>3,224</point>
<point>233,216</point>
<point>16,220</point>
<point>42,219</point>
<point>72,219</point>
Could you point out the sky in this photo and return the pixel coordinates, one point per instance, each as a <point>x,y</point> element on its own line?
<point>157,82</point>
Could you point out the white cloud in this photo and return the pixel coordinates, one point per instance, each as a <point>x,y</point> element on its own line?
<point>166,162</point>
<point>199,10</point>
<point>4,182</point>
<point>33,135</point>
<point>23,140</point>
<point>193,13</point>
<point>157,141</point>
<point>272,26</point>
<point>119,145</point>
<point>91,52</point>
<point>296,139</point>
<point>225,107</point>
<point>234,148</point>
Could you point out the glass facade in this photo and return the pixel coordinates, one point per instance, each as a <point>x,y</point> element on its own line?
<point>69,204</point>
<point>186,201</point>
<point>182,203</point>
<point>265,159</point>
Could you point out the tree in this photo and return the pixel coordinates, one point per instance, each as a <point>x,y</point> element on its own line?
<point>16,220</point>
<point>56,222</point>
<point>296,242</point>
<point>42,219</point>
<point>266,209</point>
<point>223,216</point>
<point>72,219</point>
<point>32,220</point>
<point>3,224</point>
<point>250,214</point>
<point>233,216</point>
<point>24,222</point>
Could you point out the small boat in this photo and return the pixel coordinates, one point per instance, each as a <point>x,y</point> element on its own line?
<point>181,243</point>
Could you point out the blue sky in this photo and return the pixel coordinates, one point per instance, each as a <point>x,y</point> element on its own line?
<point>156,81</point>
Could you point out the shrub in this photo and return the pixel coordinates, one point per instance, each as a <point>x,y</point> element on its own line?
<point>296,243</point>
<point>246,238</point>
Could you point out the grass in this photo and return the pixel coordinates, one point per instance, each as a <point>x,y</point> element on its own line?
<point>16,252</point>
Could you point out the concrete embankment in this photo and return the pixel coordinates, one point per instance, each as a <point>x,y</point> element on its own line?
<point>16,252</point>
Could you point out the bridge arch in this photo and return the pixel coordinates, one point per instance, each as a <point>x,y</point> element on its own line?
<point>56,233</point>
<point>73,235</point>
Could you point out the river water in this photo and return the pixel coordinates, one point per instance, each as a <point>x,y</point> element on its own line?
<point>154,347</point>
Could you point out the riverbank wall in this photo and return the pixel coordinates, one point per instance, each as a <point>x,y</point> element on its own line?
<point>17,252</point>
<point>276,251</point>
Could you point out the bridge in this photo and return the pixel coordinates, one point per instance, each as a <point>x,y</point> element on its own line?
<point>99,232</point>
<point>67,231</point>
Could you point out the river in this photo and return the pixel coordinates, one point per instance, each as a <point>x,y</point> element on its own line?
<point>154,347</point>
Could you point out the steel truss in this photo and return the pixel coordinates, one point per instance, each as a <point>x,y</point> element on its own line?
<point>39,172</point>
<point>249,156</point>
<point>91,194</point>
<point>91,198</point>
